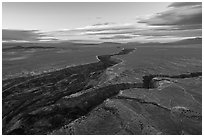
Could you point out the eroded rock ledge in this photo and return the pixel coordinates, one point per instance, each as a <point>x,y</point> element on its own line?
<point>150,82</point>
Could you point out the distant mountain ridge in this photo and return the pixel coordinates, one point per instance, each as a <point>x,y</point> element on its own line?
<point>190,41</point>
<point>197,40</point>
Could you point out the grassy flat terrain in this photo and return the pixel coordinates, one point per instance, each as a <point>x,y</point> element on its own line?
<point>38,59</point>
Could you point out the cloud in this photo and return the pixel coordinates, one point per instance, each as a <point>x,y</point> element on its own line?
<point>165,39</point>
<point>178,14</point>
<point>103,24</point>
<point>183,4</point>
<point>180,20</point>
<point>178,33</point>
<point>151,31</point>
<point>187,27</point>
<point>9,35</point>
<point>21,35</point>
<point>93,31</point>
<point>106,27</point>
<point>121,37</point>
<point>98,17</point>
<point>128,32</point>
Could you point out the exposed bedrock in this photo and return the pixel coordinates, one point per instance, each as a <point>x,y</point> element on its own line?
<point>150,82</point>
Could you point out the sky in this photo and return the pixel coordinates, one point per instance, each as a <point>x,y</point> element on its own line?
<point>101,22</point>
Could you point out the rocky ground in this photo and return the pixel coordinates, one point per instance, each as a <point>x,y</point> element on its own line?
<point>96,99</point>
